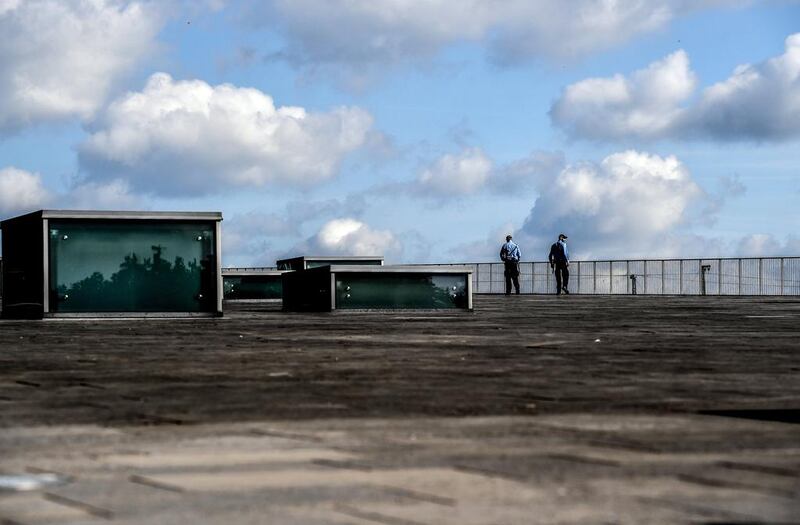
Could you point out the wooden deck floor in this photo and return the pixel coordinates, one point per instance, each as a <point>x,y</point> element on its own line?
<point>588,408</point>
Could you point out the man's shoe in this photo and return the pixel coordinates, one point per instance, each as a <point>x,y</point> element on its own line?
<point>566,291</point>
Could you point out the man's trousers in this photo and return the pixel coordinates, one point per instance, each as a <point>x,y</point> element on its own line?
<point>511,273</point>
<point>562,277</point>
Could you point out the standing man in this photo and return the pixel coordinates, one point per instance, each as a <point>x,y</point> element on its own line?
<point>559,262</point>
<point>510,255</point>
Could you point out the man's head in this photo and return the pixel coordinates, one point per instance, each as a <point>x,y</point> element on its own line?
<point>562,237</point>
<point>508,238</point>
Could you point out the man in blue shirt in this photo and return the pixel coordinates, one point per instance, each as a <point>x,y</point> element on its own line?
<point>559,262</point>
<point>510,255</point>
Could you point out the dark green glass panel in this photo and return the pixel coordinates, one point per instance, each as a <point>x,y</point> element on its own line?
<point>397,290</point>
<point>128,266</point>
<point>252,287</point>
<point>343,262</point>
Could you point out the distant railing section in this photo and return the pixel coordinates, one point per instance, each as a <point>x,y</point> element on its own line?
<point>720,276</point>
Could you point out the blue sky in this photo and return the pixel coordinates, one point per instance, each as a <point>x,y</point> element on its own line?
<point>411,128</point>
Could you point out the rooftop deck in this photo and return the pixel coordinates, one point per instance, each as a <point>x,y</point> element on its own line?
<point>532,409</point>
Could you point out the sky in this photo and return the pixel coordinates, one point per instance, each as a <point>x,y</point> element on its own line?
<point>421,130</point>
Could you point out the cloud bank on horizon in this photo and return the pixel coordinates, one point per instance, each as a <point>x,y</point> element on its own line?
<point>631,202</point>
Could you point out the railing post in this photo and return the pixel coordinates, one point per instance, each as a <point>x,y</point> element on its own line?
<point>680,278</point>
<point>594,277</point>
<point>702,280</point>
<point>760,276</point>
<point>739,287</point>
<point>781,274</point>
<point>699,270</point>
<point>703,269</point>
<point>579,277</point>
<point>645,277</point>
<point>662,277</point>
<point>627,270</point>
<point>719,276</point>
<point>610,278</point>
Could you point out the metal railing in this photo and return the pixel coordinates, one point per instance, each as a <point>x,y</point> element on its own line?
<point>718,276</point>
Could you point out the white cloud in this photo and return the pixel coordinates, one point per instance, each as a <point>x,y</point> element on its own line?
<point>471,171</point>
<point>188,137</point>
<point>758,102</point>
<point>251,236</point>
<point>60,58</point>
<point>646,105</point>
<point>457,175</point>
<point>112,195</point>
<point>21,192</point>
<point>557,29</point>
<point>528,173</point>
<point>243,250</point>
<point>767,245</point>
<point>254,236</point>
<point>361,34</point>
<point>488,248</point>
<point>631,204</point>
<point>351,237</point>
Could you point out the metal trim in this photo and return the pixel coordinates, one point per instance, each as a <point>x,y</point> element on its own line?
<point>469,292</point>
<point>242,272</point>
<point>218,241</point>
<point>130,315</point>
<point>254,301</point>
<point>136,215</point>
<point>46,266</point>
<point>354,268</point>
<point>313,258</point>
<point>333,290</point>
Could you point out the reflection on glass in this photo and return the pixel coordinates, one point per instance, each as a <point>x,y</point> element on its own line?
<point>132,267</point>
<point>394,290</point>
<point>252,287</point>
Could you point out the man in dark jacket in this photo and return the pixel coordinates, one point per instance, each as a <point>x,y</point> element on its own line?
<point>510,255</point>
<point>559,262</point>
